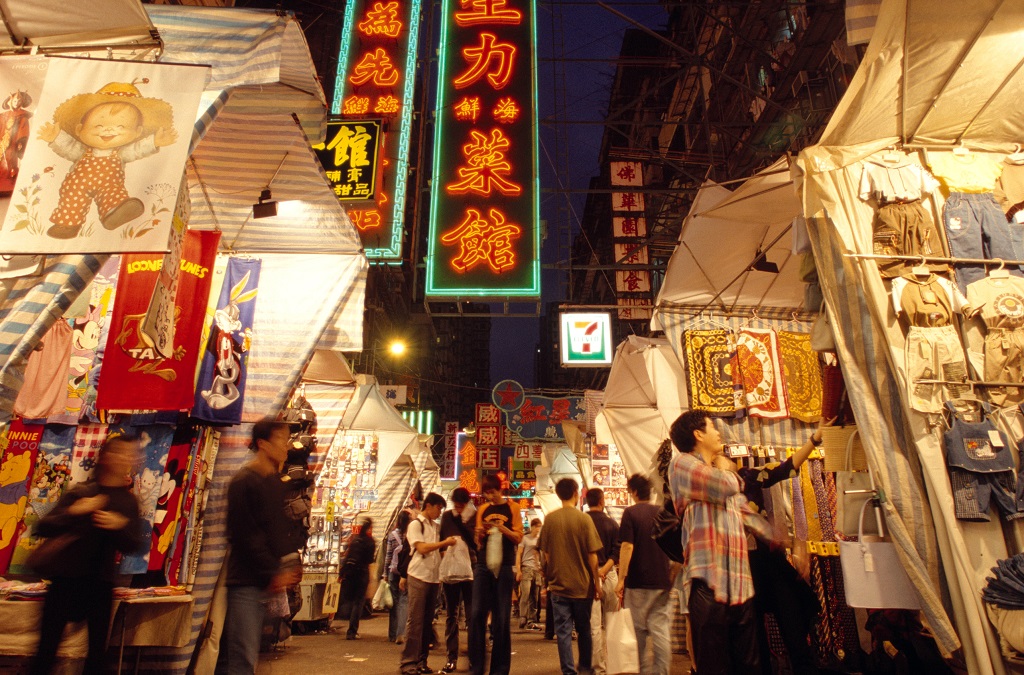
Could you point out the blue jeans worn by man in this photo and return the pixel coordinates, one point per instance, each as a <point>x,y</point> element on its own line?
<point>651,620</point>
<point>243,628</point>
<point>491,596</point>
<point>573,613</point>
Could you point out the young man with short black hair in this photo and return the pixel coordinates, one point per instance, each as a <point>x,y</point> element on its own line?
<point>422,583</point>
<point>645,578</point>
<point>260,560</point>
<point>607,559</point>
<point>570,544</point>
<point>709,494</point>
<point>492,594</point>
<point>454,524</point>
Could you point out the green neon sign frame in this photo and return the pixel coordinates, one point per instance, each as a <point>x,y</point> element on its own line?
<point>524,280</point>
<point>393,248</point>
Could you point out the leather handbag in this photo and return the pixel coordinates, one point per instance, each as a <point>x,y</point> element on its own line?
<point>853,488</point>
<point>822,337</point>
<point>873,576</point>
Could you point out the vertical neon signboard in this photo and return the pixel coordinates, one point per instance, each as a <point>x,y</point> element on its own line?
<point>375,79</point>
<point>485,210</point>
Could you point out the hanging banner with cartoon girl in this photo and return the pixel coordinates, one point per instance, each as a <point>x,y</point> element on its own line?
<point>51,476</point>
<point>136,374</point>
<point>21,84</point>
<point>221,381</point>
<point>104,158</point>
<point>19,446</point>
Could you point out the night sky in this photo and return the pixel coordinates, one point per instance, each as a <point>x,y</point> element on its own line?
<point>566,30</point>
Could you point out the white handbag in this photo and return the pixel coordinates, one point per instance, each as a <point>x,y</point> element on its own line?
<point>873,576</point>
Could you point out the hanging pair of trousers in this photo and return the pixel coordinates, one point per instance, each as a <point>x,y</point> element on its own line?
<point>980,469</point>
<point>976,228</point>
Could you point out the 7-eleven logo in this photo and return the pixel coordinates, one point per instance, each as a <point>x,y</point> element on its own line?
<point>585,337</point>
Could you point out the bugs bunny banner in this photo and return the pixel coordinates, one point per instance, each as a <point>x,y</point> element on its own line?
<point>221,381</point>
<point>104,157</point>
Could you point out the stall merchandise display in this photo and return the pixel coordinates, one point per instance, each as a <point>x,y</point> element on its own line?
<point>345,486</point>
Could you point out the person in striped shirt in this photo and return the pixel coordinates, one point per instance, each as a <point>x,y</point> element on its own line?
<point>708,496</point>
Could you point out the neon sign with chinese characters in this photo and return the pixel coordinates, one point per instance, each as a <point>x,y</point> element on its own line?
<point>485,210</point>
<point>375,79</point>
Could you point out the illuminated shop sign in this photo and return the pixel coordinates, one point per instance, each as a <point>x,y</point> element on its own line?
<point>485,212</point>
<point>349,157</point>
<point>586,339</point>
<point>375,80</point>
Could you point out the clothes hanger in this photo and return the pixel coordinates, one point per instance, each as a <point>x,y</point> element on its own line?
<point>1016,156</point>
<point>1000,272</point>
<point>701,320</point>
<point>892,155</point>
<point>921,271</point>
<point>961,150</point>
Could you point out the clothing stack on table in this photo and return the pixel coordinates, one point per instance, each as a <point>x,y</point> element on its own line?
<point>1006,588</point>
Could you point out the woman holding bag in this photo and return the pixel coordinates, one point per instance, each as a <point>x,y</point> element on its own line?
<point>454,524</point>
<point>96,520</point>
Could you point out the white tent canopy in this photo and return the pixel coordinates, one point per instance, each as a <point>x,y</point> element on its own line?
<point>58,24</point>
<point>719,241</point>
<point>369,412</point>
<point>937,72</point>
<point>644,395</point>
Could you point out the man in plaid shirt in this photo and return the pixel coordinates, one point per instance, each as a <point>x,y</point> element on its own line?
<point>708,496</point>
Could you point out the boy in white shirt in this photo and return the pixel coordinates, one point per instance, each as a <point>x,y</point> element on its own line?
<point>423,582</point>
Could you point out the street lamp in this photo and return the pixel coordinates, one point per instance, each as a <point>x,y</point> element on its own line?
<point>396,349</point>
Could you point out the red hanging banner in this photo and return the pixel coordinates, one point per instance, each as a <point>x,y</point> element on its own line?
<point>135,375</point>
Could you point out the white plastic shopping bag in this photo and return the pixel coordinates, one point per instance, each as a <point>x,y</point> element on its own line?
<point>623,656</point>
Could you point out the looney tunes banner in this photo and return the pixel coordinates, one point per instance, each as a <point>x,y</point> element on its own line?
<point>136,375</point>
<point>104,158</point>
<point>221,382</point>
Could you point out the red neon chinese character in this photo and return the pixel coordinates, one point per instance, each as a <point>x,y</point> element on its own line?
<point>365,219</point>
<point>377,67</point>
<point>532,413</point>
<point>467,109</point>
<point>481,57</point>
<point>482,241</point>
<point>506,111</point>
<point>356,105</point>
<point>559,410</point>
<point>487,169</point>
<point>386,105</point>
<point>488,12</point>
<point>382,20</point>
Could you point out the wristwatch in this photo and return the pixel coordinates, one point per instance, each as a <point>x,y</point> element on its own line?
<point>816,443</point>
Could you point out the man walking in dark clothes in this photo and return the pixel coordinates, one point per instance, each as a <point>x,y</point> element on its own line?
<point>607,559</point>
<point>260,560</point>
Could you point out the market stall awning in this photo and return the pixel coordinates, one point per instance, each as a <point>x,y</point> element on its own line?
<point>937,72</point>
<point>61,25</point>
<point>241,155</point>
<point>370,413</point>
<point>260,56</point>
<point>720,239</point>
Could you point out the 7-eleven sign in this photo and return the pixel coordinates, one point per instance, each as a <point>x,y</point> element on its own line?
<point>586,339</point>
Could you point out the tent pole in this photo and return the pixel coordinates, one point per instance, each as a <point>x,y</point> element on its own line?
<point>933,259</point>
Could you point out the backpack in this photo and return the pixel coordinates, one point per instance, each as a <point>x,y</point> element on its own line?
<point>405,554</point>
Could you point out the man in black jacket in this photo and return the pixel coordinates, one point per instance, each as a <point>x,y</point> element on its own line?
<point>260,559</point>
<point>453,524</point>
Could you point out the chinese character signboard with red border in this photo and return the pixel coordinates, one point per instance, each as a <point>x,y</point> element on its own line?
<point>485,214</point>
<point>375,79</point>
